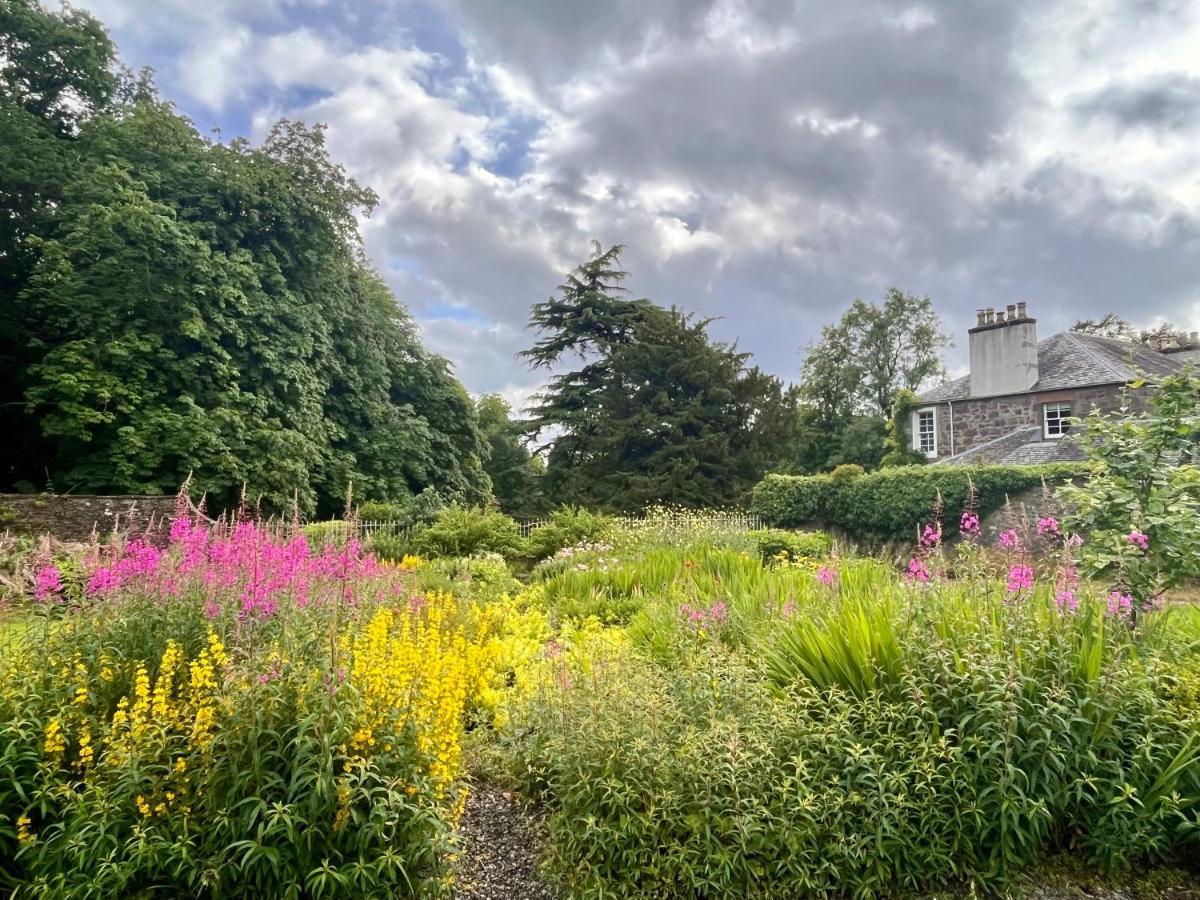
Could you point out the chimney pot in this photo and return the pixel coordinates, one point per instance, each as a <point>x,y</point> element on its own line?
<point>1000,316</point>
<point>989,316</point>
<point>1021,313</point>
<point>980,316</point>
<point>1012,311</point>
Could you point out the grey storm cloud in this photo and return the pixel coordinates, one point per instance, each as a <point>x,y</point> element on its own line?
<point>764,161</point>
<point>1167,101</point>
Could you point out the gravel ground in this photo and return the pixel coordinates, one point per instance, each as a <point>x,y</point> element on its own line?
<point>501,845</point>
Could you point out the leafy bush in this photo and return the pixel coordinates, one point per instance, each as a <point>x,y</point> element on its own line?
<point>891,503</point>
<point>463,531</point>
<point>377,511</point>
<point>568,526</point>
<point>333,531</point>
<point>846,471</point>
<point>391,546</point>
<point>1140,508</point>
<point>772,543</point>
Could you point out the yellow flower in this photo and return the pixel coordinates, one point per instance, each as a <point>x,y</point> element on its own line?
<point>24,835</point>
<point>55,743</point>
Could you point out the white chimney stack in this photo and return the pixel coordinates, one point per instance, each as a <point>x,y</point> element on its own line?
<point>1003,349</point>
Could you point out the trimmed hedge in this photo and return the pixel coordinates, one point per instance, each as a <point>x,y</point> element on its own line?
<point>770,542</point>
<point>891,503</point>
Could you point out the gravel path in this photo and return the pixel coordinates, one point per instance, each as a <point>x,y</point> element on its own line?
<point>501,845</point>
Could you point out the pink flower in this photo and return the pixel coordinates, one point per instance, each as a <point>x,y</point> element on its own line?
<point>789,608</point>
<point>1065,600</point>
<point>917,570</point>
<point>49,581</point>
<point>826,575</point>
<point>1048,525</point>
<point>1138,539</point>
<point>1020,578</point>
<point>1120,605</point>
<point>1009,540</point>
<point>969,523</point>
<point>211,609</point>
<point>931,536</point>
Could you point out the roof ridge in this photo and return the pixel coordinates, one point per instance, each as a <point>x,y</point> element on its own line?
<point>1121,374</point>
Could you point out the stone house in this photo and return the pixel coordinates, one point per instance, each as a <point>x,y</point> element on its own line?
<point>1022,395</point>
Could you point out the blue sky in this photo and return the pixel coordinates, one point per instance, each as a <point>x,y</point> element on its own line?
<point>765,161</point>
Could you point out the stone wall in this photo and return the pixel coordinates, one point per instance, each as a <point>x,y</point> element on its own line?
<point>979,421</point>
<point>71,517</point>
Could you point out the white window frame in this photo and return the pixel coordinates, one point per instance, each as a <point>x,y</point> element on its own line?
<point>1064,421</point>
<point>930,453</point>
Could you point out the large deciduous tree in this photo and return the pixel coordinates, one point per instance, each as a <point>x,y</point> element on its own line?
<point>852,374</point>
<point>655,410</point>
<point>175,305</point>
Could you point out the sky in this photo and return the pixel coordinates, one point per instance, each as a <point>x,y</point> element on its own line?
<point>765,163</point>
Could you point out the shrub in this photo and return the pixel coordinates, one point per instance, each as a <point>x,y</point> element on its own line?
<point>772,543</point>
<point>333,531</point>
<point>462,531</point>
<point>846,471</point>
<point>376,511</point>
<point>891,503</point>
<point>568,527</point>
<point>391,546</point>
<point>1140,508</point>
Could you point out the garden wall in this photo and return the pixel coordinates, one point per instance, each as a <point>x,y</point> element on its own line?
<point>72,517</point>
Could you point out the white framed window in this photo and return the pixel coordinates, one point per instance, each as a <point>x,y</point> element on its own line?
<point>1056,418</point>
<point>924,429</point>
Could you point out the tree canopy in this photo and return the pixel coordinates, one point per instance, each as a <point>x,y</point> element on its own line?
<point>171,304</point>
<point>851,376</point>
<point>654,410</point>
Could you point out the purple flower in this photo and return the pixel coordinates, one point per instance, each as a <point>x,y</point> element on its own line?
<point>1020,578</point>
<point>1048,525</point>
<point>1065,600</point>
<point>1120,605</point>
<point>917,570</point>
<point>969,523</point>
<point>1009,540</point>
<point>826,575</point>
<point>1138,539</point>
<point>931,536</point>
<point>49,581</point>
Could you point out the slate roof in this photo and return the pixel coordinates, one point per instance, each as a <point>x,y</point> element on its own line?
<point>1071,360</point>
<point>1021,446</point>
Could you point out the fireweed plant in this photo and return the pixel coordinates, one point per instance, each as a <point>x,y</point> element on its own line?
<point>228,711</point>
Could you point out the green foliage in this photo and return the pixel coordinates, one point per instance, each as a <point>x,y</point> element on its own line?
<point>873,352</point>
<point>333,531</point>
<point>846,471</point>
<point>657,411</point>
<point>1143,479</point>
<point>772,543</point>
<point>868,742</point>
<point>170,305</point>
<point>898,444</point>
<point>515,473</point>
<point>569,526</point>
<point>466,531</point>
<point>891,503</point>
<point>390,546</point>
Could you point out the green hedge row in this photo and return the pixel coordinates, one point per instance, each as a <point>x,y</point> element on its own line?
<point>891,503</point>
